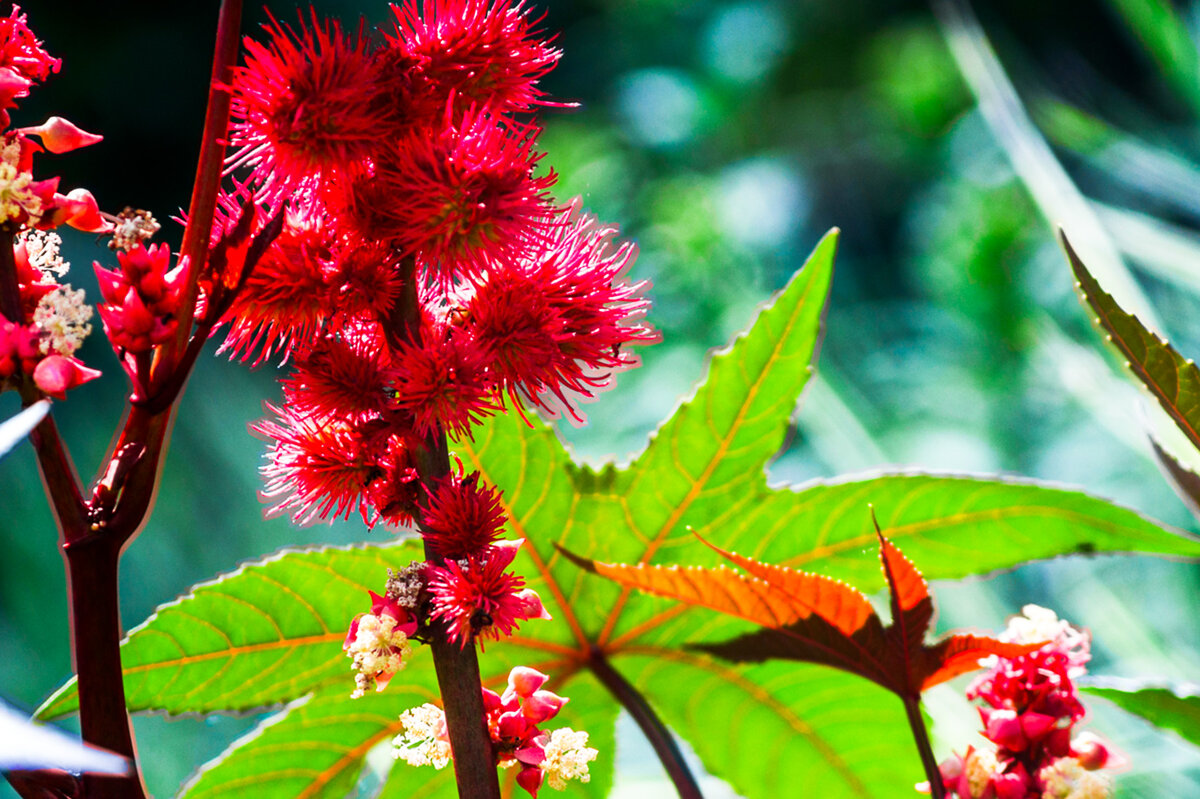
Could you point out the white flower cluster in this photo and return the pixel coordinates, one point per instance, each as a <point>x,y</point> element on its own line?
<point>1066,778</point>
<point>422,742</point>
<point>64,318</point>
<point>378,650</point>
<point>1043,624</point>
<point>15,195</point>
<point>43,249</point>
<point>567,758</point>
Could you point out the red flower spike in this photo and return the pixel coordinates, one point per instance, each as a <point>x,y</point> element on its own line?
<point>554,324</point>
<point>478,51</point>
<point>287,298</point>
<point>812,618</point>
<point>21,51</point>
<point>302,105</point>
<point>463,516</point>
<point>339,378</point>
<point>476,599</point>
<point>142,299</point>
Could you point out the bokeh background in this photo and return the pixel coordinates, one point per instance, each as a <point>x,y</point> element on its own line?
<point>725,138</point>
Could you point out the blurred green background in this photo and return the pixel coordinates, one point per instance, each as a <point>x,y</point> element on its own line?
<point>725,138</point>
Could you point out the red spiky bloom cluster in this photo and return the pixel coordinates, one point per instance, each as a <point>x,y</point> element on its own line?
<point>423,278</point>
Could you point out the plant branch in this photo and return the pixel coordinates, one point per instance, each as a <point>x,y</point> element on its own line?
<point>205,189</point>
<point>652,727</point>
<point>95,647</point>
<point>912,706</point>
<point>457,667</point>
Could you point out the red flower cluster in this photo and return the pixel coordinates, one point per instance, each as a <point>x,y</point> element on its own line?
<point>423,278</point>
<point>513,720</point>
<point>1030,709</point>
<point>476,598</point>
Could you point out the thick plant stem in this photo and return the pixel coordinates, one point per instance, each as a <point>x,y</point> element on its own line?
<point>457,667</point>
<point>95,646</point>
<point>912,706</point>
<point>652,727</point>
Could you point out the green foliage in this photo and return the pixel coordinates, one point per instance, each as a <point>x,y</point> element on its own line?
<point>1166,707</point>
<point>272,631</point>
<point>1172,379</point>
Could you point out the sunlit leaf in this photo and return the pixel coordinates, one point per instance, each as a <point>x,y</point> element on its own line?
<point>1172,379</point>
<point>1175,708</point>
<point>703,470</point>
<point>809,618</point>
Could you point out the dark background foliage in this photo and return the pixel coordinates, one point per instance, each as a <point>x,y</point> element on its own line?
<point>724,138</point>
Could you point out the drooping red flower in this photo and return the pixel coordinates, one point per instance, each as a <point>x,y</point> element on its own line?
<point>481,52</point>
<point>463,516</point>
<point>302,104</point>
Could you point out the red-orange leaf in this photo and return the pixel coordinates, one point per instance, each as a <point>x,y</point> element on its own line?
<point>812,618</point>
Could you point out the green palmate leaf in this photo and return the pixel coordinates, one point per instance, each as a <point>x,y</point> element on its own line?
<point>263,635</point>
<point>704,469</point>
<point>1172,379</point>
<point>1169,707</point>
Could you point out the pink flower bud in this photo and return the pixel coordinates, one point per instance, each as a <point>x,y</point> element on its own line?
<point>523,681</point>
<point>1094,753</point>
<point>530,778</point>
<point>60,136</point>
<point>542,706</point>
<point>56,374</point>
<point>78,209</point>
<point>1003,728</point>
<point>531,605</point>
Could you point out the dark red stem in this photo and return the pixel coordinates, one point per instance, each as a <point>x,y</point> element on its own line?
<point>912,706</point>
<point>457,667</point>
<point>92,551</point>
<point>652,727</point>
<point>95,643</point>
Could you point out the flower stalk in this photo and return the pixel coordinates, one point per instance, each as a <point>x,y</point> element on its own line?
<point>916,722</point>
<point>651,725</point>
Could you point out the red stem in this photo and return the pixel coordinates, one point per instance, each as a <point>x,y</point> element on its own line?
<point>652,727</point>
<point>912,706</point>
<point>95,636</point>
<point>92,552</point>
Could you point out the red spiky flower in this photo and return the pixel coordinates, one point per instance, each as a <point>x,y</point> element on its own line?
<point>463,516</point>
<point>478,51</point>
<point>303,103</point>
